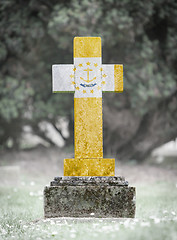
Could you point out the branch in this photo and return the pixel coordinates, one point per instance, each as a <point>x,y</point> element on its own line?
<point>59,131</point>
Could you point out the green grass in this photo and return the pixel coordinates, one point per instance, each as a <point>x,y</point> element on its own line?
<point>21,216</point>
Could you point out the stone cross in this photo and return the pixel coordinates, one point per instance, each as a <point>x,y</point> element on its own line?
<point>88,78</point>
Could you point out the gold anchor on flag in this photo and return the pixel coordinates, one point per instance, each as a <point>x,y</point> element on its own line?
<point>88,81</point>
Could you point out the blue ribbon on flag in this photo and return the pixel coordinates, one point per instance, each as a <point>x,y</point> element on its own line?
<point>88,85</point>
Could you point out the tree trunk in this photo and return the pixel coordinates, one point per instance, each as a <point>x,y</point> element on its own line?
<point>156,127</point>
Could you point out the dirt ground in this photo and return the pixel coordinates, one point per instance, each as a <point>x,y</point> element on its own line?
<point>46,163</point>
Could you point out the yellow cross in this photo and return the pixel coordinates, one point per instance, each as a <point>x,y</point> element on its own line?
<point>88,127</point>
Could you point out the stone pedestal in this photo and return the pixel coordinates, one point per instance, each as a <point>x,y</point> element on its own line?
<point>89,197</point>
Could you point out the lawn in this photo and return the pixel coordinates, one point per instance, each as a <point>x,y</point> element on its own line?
<point>21,213</point>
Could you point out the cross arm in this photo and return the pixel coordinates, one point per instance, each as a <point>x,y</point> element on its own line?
<point>63,78</point>
<point>112,78</point>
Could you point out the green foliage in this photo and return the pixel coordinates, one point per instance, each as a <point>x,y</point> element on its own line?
<point>35,34</point>
<point>15,95</point>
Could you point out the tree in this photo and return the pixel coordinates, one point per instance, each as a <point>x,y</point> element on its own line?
<point>141,35</point>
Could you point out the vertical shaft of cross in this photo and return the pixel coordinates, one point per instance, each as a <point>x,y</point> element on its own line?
<point>88,110</point>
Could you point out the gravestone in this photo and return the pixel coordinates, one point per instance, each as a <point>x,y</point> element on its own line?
<point>89,187</point>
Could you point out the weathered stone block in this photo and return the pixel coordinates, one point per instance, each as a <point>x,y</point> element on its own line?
<point>83,196</point>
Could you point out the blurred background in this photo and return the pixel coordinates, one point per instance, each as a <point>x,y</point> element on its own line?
<point>140,124</point>
<point>141,35</point>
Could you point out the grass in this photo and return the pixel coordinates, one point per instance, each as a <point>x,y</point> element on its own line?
<point>21,216</point>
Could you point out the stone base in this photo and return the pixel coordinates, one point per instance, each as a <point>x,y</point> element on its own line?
<point>89,197</point>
